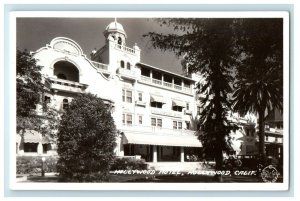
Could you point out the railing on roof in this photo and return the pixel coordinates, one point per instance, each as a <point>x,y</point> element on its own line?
<point>100,66</point>
<point>125,49</point>
<point>164,84</point>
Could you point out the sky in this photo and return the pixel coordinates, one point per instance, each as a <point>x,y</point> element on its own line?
<point>34,33</point>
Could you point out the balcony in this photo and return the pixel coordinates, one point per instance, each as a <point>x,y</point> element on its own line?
<point>166,113</point>
<point>125,49</point>
<point>188,112</point>
<point>140,103</point>
<point>101,67</point>
<point>130,74</point>
<point>166,85</point>
<point>66,85</point>
<point>156,130</point>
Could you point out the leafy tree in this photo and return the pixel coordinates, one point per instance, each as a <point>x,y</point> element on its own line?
<point>30,93</point>
<point>86,140</point>
<point>207,46</point>
<point>29,90</point>
<point>259,79</point>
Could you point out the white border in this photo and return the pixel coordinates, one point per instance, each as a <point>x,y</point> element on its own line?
<point>147,186</point>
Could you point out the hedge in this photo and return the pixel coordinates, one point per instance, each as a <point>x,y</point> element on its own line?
<point>128,164</point>
<point>33,164</point>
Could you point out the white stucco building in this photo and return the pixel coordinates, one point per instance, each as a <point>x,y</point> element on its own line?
<point>155,110</point>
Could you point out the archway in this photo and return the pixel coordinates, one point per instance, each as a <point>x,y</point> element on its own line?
<point>66,70</point>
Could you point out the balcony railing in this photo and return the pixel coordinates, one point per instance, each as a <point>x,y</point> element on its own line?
<point>141,103</point>
<point>100,66</point>
<point>156,130</point>
<point>125,49</point>
<point>166,113</point>
<point>188,112</point>
<point>127,73</point>
<point>156,81</point>
<point>67,85</point>
<point>167,85</point>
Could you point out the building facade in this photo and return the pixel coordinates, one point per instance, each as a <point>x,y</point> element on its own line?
<point>155,110</point>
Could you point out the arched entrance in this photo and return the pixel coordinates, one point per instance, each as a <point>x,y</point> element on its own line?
<point>66,71</point>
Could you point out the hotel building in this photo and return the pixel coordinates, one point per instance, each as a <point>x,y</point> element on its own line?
<point>155,110</point>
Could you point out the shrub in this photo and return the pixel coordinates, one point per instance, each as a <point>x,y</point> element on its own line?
<point>86,140</point>
<point>128,164</point>
<point>33,164</point>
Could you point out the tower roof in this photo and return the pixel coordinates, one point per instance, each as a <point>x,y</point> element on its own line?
<point>115,27</point>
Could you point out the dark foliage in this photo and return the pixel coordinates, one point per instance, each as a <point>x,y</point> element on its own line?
<point>29,90</point>
<point>33,164</point>
<point>128,164</point>
<point>86,140</point>
<point>259,79</point>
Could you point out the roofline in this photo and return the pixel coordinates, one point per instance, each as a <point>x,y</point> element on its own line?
<point>156,68</point>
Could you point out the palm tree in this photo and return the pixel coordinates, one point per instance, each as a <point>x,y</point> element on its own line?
<point>259,77</point>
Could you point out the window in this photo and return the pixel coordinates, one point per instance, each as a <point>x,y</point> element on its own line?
<point>177,125</point>
<point>177,108</point>
<point>187,106</point>
<point>128,66</point>
<point>65,104</point>
<point>119,40</point>
<point>123,119</point>
<point>123,95</point>
<point>198,110</point>
<point>159,123</point>
<point>156,104</point>
<point>47,100</point>
<point>153,121</point>
<point>127,94</point>
<point>127,119</point>
<point>122,64</point>
<point>140,96</point>
<point>140,119</point>
<point>156,122</point>
<point>188,124</point>
<point>174,124</point>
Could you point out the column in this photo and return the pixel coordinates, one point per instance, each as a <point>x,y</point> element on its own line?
<point>40,148</point>
<point>182,154</point>
<point>172,82</point>
<point>121,146</point>
<point>162,79</point>
<point>150,75</point>
<point>154,154</point>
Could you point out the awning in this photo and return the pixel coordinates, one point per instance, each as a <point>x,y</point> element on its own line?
<point>155,98</point>
<point>178,103</point>
<point>32,136</point>
<point>162,140</point>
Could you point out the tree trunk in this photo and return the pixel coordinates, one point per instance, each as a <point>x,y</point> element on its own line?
<point>219,163</point>
<point>261,134</point>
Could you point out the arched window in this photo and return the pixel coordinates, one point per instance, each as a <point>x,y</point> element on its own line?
<point>119,40</point>
<point>128,65</point>
<point>65,104</point>
<point>62,76</point>
<point>122,64</point>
